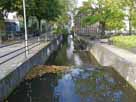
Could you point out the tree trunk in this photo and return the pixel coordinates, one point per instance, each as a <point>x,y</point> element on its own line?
<point>130,26</point>
<point>130,23</point>
<point>39,22</point>
<point>27,21</point>
<point>103,27</point>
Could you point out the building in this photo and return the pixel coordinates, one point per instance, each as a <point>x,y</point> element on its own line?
<point>12,23</point>
<point>85,30</point>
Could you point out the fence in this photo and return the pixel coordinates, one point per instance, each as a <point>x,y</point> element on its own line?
<point>32,43</point>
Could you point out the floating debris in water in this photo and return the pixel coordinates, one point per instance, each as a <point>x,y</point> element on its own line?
<point>43,69</point>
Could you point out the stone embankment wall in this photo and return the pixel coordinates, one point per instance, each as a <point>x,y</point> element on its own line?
<point>13,79</point>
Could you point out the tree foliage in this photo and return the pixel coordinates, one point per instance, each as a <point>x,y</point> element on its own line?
<point>130,5</point>
<point>63,19</point>
<point>49,10</point>
<point>109,13</point>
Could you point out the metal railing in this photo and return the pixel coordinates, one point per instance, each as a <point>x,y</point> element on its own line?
<point>19,51</point>
<point>32,43</point>
<point>22,50</point>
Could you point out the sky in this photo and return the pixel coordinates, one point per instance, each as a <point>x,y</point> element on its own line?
<point>79,2</point>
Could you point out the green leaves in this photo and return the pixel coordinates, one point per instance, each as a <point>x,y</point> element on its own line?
<point>108,12</point>
<point>134,18</point>
<point>90,20</point>
<point>53,11</point>
<point>43,9</point>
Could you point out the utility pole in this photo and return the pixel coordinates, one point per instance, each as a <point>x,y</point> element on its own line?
<point>25,26</point>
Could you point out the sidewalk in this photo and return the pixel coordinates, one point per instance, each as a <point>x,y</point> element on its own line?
<point>9,66</point>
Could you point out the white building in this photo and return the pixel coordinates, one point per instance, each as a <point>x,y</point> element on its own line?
<point>12,19</point>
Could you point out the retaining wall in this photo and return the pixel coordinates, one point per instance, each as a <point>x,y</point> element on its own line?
<point>13,79</point>
<point>124,62</point>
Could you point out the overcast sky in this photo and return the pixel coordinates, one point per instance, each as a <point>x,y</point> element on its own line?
<point>80,2</point>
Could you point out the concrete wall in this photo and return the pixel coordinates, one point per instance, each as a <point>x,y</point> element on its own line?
<point>10,82</point>
<point>124,62</point>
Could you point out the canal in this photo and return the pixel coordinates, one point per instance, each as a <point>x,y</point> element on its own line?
<point>84,81</point>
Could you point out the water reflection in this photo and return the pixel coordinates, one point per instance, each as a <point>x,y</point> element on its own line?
<point>37,90</point>
<point>73,56</point>
<point>77,85</point>
<point>66,56</point>
<point>70,48</point>
<point>83,83</point>
<point>90,86</point>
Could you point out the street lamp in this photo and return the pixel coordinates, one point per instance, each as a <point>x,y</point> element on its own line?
<point>25,26</point>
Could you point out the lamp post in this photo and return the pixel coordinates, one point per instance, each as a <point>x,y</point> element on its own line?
<point>25,26</point>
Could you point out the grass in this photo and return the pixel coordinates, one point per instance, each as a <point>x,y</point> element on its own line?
<point>124,41</point>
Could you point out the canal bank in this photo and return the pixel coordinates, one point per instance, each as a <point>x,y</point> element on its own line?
<point>123,61</point>
<point>84,82</point>
<point>15,75</point>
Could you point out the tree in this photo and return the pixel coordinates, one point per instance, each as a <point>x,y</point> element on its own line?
<point>49,10</point>
<point>62,20</point>
<point>38,10</point>
<point>130,6</point>
<point>5,6</point>
<point>133,18</point>
<point>101,11</point>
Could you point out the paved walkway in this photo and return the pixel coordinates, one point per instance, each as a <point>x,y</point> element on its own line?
<point>12,64</point>
<point>126,54</point>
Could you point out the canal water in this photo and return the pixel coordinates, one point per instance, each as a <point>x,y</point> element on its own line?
<point>85,81</point>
